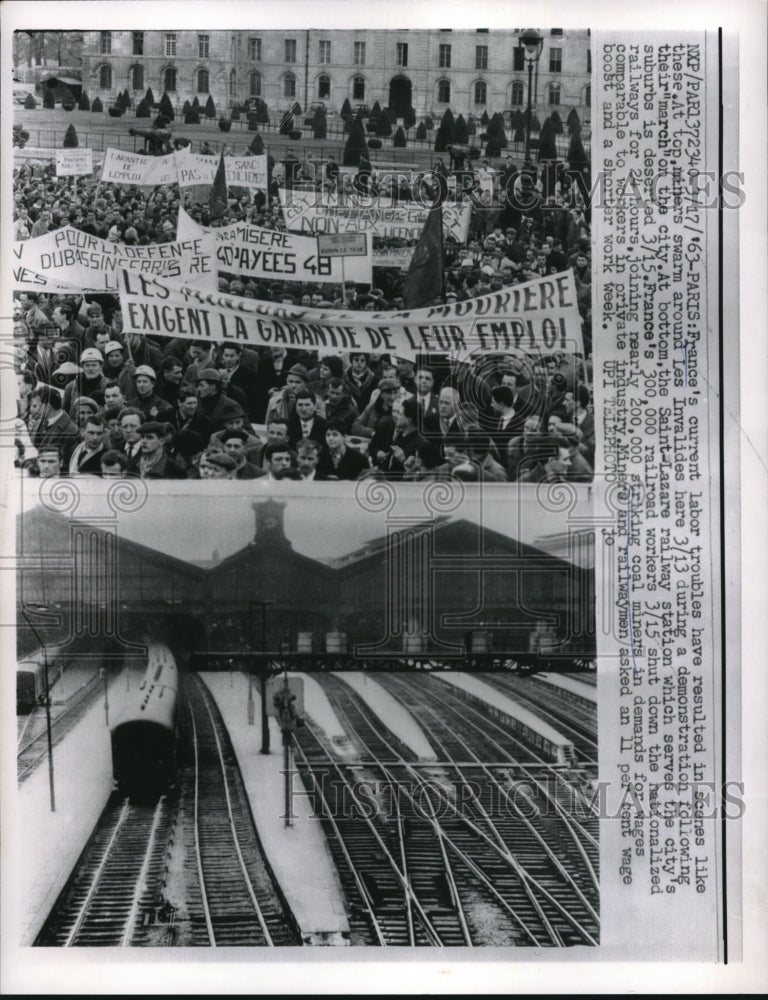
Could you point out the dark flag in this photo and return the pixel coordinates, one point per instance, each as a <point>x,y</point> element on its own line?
<point>218,199</point>
<point>423,284</point>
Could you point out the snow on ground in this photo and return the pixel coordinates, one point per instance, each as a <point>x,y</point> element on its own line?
<point>317,706</point>
<point>492,696</point>
<point>45,845</point>
<point>396,717</point>
<point>298,854</point>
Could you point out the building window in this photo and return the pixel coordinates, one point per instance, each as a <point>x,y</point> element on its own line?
<point>518,58</point>
<point>170,43</point>
<point>254,49</point>
<point>289,85</point>
<point>358,88</point>
<point>232,83</point>
<point>518,94</point>
<point>105,78</point>
<point>481,31</point>
<point>555,60</point>
<point>325,53</point>
<point>138,43</point>
<point>105,43</point>
<point>324,87</point>
<point>359,53</point>
<point>169,80</point>
<point>589,60</point>
<point>203,81</point>
<point>481,57</point>
<point>554,94</point>
<point>255,84</point>
<point>203,46</point>
<point>402,53</point>
<point>290,50</point>
<point>445,57</point>
<point>556,31</point>
<point>137,77</point>
<point>588,95</point>
<point>481,92</point>
<point>443,91</point>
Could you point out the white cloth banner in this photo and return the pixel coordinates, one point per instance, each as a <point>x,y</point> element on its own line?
<point>316,212</point>
<point>255,252</point>
<point>536,318</point>
<point>91,264</point>
<point>241,171</point>
<point>122,167</point>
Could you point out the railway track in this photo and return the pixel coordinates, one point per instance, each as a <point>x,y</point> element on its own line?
<point>540,875</point>
<point>106,902</point>
<point>32,746</point>
<point>238,902</point>
<point>444,875</point>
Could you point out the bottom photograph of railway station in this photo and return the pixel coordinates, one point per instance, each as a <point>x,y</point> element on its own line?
<point>271,720</point>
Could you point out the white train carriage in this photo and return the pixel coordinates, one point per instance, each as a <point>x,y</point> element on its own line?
<point>581,694</point>
<point>30,677</point>
<point>526,724</point>
<point>144,736</point>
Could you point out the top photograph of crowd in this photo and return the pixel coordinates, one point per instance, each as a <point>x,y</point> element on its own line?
<point>303,254</point>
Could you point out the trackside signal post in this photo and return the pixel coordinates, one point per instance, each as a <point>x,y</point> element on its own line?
<point>284,708</point>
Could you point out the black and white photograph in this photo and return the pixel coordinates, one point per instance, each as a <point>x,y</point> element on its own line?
<point>387,266</point>
<point>294,740</point>
<point>452,681</point>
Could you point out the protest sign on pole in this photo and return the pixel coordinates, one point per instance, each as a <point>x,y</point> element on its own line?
<point>255,252</point>
<point>74,162</point>
<point>536,318</point>
<point>240,171</point>
<point>122,167</point>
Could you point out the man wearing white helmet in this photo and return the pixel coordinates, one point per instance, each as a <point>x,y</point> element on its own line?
<point>117,368</point>
<point>91,383</point>
<point>145,398</point>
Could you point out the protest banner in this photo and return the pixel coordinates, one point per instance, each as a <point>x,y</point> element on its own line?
<point>306,211</point>
<point>74,162</point>
<point>91,264</point>
<point>536,318</point>
<point>121,167</point>
<point>241,171</point>
<point>254,252</point>
<point>393,257</point>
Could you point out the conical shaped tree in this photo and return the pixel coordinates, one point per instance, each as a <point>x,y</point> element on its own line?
<point>149,97</point>
<point>384,124</point>
<point>399,141</point>
<point>577,157</point>
<point>84,104</point>
<point>346,109</point>
<point>355,146</point>
<point>97,105</point>
<point>186,108</point>
<point>49,98</point>
<point>572,121</point>
<point>262,113</point>
<point>409,118</point>
<point>256,147</point>
<point>376,109</point>
<point>142,109</point>
<point>421,132</point>
<point>557,123</point>
<point>210,107</point>
<point>484,119</point>
<point>195,103</point>
<point>444,135</point>
<point>320,124</point>
<point>166,107</point>
<point>460,132</point>
<point>127,102</point>
<point>70,138</point>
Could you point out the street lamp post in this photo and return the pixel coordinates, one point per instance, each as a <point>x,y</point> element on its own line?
<point>533,41</point>
<point>263,675</point>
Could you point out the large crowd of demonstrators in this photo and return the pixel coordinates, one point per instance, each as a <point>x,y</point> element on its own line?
<point>95,401</point>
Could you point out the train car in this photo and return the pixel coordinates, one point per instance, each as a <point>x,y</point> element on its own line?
<point>144,736</point>
<point>30,677</point>
<point>570,689</point>
<point>542,736</point>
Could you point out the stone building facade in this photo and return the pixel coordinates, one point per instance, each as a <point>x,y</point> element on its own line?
<point>430,70</point>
